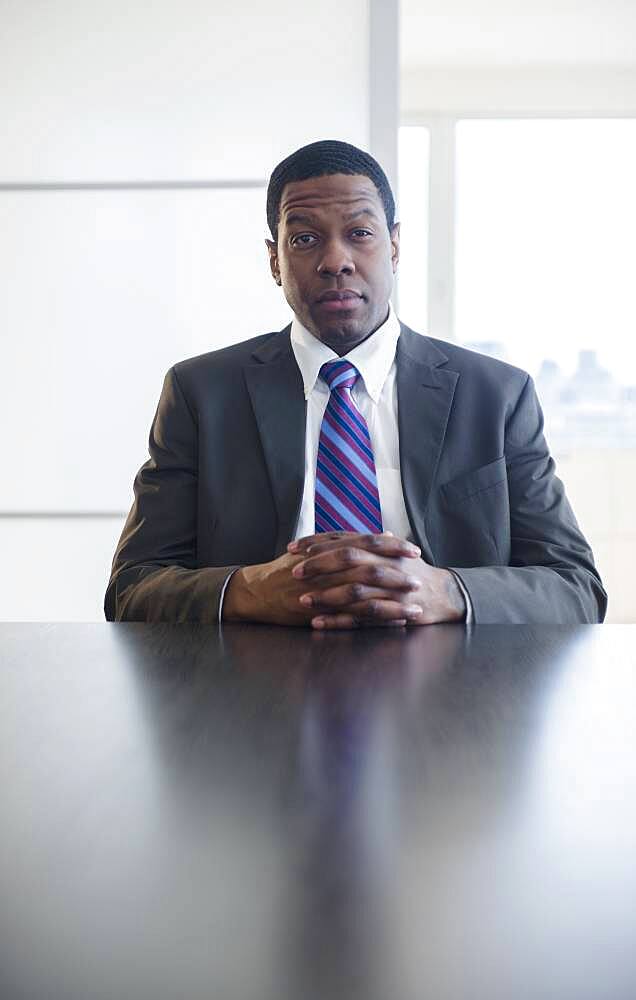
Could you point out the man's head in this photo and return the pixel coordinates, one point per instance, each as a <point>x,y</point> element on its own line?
<point>330,211</point>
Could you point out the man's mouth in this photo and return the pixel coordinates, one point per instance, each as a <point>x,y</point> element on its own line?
<point>344,300</point>
<point>339,293</point>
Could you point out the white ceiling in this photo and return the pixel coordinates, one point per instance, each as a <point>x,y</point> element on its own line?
<point>517,33</point>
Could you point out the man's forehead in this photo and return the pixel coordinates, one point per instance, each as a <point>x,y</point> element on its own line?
<point>332,190</point>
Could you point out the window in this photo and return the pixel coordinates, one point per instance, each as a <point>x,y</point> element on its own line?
<point>541,222</point>
<point>412,213</point>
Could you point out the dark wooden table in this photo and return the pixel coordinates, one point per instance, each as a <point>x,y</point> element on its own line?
<point>269,813</point>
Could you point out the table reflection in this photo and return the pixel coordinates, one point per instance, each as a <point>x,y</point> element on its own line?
<point>351,782</point>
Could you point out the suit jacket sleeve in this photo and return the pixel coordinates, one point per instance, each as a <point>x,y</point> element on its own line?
<point>551,577</point>
<point>155,576</point>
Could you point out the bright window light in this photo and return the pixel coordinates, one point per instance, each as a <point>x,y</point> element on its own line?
<point>546,216</point>
<point>544,279</point>
<point>412,213</point>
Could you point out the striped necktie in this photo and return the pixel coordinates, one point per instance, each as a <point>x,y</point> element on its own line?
<point>347,496</point>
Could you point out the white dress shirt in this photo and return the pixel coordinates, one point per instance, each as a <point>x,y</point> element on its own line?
<point>375,395</point>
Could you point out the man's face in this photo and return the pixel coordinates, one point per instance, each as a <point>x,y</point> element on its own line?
<point>333,239</point>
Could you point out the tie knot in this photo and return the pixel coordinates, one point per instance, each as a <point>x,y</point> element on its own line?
<point>339,374</point>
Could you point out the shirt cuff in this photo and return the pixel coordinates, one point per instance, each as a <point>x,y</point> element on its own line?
<point>223,594</point>
<point>469,608</point>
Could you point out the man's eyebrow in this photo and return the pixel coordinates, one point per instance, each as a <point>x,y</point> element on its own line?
<point>310,219</point>
<point>298,217</point>
<point>359,212</point>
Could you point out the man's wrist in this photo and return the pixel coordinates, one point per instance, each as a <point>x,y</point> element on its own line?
<point>454,598</point>
<point>236,600</point>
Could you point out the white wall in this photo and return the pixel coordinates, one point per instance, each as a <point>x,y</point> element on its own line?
<point>534,90</point>
<point>136,144</point>
<point>538,56</point>
<point>124,89</point>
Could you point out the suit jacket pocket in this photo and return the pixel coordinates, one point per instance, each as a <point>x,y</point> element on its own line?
<point>469,484</point>
<point>474,527</point>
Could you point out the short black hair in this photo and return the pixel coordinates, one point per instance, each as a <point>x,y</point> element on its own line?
<point>328,156</point>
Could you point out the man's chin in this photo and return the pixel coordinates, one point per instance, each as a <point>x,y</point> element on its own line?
<point>342,334</point>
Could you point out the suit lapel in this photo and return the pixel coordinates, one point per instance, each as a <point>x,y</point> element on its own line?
<point>425,396</point>
<point>276,391</point>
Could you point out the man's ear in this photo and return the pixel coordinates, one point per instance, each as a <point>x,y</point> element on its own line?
<point>395,245</point>
<point>273,260</point>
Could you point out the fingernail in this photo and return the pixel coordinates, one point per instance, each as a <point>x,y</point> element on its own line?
<point>389,533</point>
<point>412,609</point>
<point>414,551</point>
<point>413,582</point>
<point>293,547</point>
<point>306,599</point>
<point>318,622</point>
<point>298,570</point>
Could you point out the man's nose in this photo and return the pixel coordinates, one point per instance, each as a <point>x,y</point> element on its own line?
<point>336,259</point>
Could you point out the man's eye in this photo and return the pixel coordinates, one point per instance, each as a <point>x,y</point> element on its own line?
<point>365,232</point>
<point>303,238</point>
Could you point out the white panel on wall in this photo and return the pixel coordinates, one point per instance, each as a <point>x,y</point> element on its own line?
<point>104,289</point>
<point>102,292</point>
<point>58,567</point>
<point>191,90</point>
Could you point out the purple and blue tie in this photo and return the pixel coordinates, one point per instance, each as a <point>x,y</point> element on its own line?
<point>347,496</point>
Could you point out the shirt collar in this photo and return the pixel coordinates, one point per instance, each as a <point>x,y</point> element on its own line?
<point>373,357</point>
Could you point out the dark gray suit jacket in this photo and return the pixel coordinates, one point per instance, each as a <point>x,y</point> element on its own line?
<point>224,483</point>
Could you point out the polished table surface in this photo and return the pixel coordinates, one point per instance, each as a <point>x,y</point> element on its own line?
<point>255,812</point>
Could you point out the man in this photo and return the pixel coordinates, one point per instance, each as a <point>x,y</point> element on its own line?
<point>346,470</point>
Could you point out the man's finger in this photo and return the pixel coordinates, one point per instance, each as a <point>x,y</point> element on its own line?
<point>337,592</point>
<point>377,610</point>
<point>302,544</point>
<point>343,558</point>
<point>343,597</point>
<point>342,621</point>
<point>385,545</point>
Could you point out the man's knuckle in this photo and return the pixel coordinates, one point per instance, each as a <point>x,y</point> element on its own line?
<point>356,591</point>
<point>349,555</point>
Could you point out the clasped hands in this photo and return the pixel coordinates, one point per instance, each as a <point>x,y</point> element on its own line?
<point>344,580</point>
